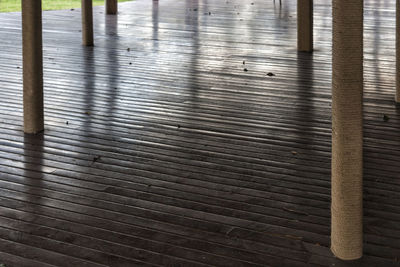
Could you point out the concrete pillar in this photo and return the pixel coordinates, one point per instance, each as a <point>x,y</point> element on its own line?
<point>347,129</point>
<point>111,7</point>
<point>397,98</point>
<point>87,22</point>
<point>305,25</point>
<point>32,66</point>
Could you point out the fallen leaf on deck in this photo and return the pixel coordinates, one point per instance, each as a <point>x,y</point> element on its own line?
<point>296,211</point>
<point>386,117</point>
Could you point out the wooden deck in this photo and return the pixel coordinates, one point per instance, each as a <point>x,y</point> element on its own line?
<point>160,149</point>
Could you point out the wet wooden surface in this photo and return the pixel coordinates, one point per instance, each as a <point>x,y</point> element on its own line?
<point>167,144</point>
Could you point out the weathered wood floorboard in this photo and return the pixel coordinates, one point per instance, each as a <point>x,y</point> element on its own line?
<point>167,144</point>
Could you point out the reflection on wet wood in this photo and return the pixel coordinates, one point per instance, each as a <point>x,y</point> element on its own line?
<point>160,149</point>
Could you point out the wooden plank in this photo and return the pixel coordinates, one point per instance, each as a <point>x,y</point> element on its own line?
<point>182,157</point>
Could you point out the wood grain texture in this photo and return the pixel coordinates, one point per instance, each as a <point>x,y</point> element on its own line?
<point>161,150</point>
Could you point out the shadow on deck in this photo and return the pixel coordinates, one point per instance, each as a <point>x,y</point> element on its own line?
<point>168,144</point>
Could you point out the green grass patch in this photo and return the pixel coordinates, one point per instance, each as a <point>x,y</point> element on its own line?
<point>15,5</point>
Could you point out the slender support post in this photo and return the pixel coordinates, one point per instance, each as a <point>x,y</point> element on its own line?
<point>111,7</point>
<point>347,129</point>
<point>305,25</point>
<point>87,22</point>
<point>280,2</point>
<point>397,98</point>
<point>32,66</point>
